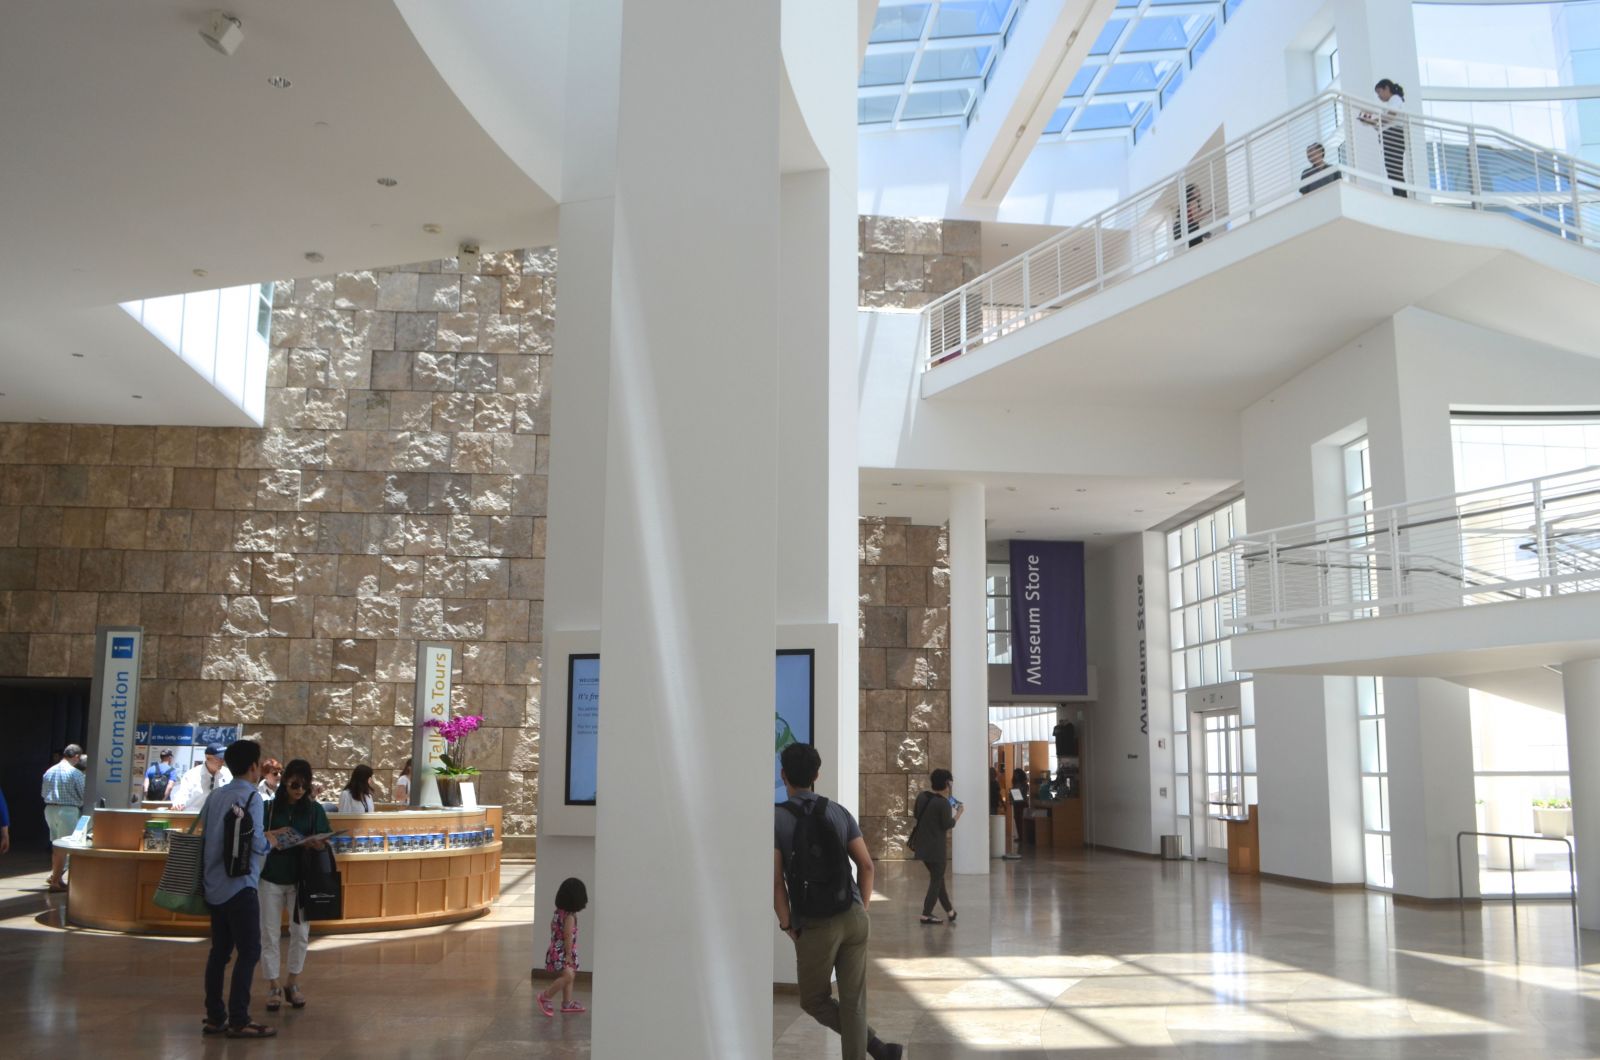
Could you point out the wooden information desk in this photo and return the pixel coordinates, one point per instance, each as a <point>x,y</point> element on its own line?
<point>112,881</point>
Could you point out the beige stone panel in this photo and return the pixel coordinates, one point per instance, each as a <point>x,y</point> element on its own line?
<point>166,529</point>
<point>507,620</point>
<point>150,487</point>
<point>872,586</point>
<point>356,290</point>
<point>888,838</point>
<point>320,491</point>
<point>32,611</point>
<point>377,617</point>
<point>90,444</point>
<point>291,616</point>
<point>245,701</point>
<point>908,751</point>
<point>397,290</point>
<point>883,627</point>
<point>210,531</point>
<point>883,711</point>
<point>482,294</point>
<point>311,743</point>
<point>927,546</point>
<point>317,575</point>
<point>458,332</point>
<point>883,795</point>
<point>873,670</point>
<point>310,659</point>
<point>904,273</point>
<point>108,486</point>
<point>85,528</point>
<point>194,487</point>
<point>483,662</point>
<point>372,703</point>
<point>118,609</point>
<point>941,753</point>
<point>927,627</point>
<point>189,572</point>
<point>882,543</point>
<point>522,663</point>
<point>132,445</point>
<point>939,587</point>
<point>143,572</point>
<point>871,756</point>
<point>519,749</point>
<point>904,586</point>
<point>57,568</point>
<point>334,617</point>
<point>74,612</point>
<point>901,235</point>
<point>198,700</point>
<point>962,237</point>
<point>928,711</point>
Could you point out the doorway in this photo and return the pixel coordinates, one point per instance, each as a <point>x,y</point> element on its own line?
<point>39,717</point>
<point>1222,750</point>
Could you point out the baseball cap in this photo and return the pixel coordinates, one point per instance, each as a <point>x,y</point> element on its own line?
<point>167,753</point>
<point>216,750</point>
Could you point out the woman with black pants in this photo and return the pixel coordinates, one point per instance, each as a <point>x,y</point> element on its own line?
<point>1019,806</point>
<point>937,812</point>
<point>1391,126</point>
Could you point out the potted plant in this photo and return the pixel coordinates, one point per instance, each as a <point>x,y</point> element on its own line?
<point>1552,818</point>
<point>453,767</point>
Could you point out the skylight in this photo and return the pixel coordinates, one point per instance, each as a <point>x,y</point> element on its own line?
<point>928,61</point>
<point>1136,66</point>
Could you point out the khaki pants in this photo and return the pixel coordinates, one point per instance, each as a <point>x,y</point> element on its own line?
<point>836,946</point>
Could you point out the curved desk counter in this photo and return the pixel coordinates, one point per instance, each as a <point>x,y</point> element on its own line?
<point>113,880</point>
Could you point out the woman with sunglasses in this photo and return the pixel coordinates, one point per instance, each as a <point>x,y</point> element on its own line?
<point>271,777</point>
<point>293,808</point>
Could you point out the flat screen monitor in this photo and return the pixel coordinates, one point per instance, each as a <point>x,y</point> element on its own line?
<point>795,703</point>
<point>583,729</point>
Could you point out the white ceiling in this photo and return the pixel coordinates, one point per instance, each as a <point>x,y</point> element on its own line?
<point>135,154</point>
<point>1070,507</point>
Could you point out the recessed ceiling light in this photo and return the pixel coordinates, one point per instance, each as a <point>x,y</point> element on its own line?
<point>387,182</point>
<point>1098,534</point>
<point>375,225</point>
<point>1011,489</point>
<point>279,81</point>
<point>882,503</point>
<point>1082,490</point>
<point>320,125</point>
<point>1054,508</point>
<point>1172,493</point>
<point>1138,511</point>
<point>432,229</point>
<point>313,255</point>
<point>138,397</point>
<point>894,483</point>
<point>77,355</point>
<point>199,272</point>
<point>1003,245</point>
<point>2,393</point>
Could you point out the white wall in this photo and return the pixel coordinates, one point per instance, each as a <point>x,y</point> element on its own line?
<point>1064,183</point>
<point>911,173</point>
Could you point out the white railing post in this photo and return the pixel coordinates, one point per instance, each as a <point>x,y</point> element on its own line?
<point>961,308</point>
<point>1099,254</point>
<point>1249,178</point>
<point>1396,575</point>
<point>1577,201</point>
<point>1274,579</point>
<point>1027,294</point>
<point>1475,175</point>
<point>1541,532</point>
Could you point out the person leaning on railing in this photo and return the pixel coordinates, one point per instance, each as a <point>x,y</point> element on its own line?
<point>1193,217</point>
<point>1318,174</point>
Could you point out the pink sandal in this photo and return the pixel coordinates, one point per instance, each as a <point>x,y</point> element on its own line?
<point>572,1008</point>
<point>545,1006</point>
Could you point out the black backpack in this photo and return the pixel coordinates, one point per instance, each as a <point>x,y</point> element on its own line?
<point>239,838</point>
<point>155,788</point>
<point>817,871</point>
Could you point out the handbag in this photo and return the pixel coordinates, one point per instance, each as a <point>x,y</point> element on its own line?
<point>183,887</point>
<point>320,893</point>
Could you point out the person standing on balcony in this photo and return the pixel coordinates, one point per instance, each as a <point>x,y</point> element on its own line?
<point>1318,174</point>
<point>1391,126</point>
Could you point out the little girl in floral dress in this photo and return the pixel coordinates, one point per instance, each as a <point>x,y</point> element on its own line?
<point>562,955</point>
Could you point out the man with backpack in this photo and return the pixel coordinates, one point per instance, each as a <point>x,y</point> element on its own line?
<point>822,908</point>
<point>159,778</point>
<point>235,846</point>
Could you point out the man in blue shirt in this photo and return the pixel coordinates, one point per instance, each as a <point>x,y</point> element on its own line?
<point>235,907</point>
<point>62,792</point>
<point>159,778</point>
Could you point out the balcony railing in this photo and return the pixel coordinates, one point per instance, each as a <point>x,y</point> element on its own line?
<point>1522,541</point>
<point>1432,160</point>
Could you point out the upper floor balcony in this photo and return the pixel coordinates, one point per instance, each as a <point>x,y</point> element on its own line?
<point>1271,251</point>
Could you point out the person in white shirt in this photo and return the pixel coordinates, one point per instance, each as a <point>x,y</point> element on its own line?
<point>201,781</point>
<point>402,785</point>
<point>1391,126</point>
<point>357,794</point>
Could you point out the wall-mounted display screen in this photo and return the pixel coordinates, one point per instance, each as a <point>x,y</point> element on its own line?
<point>795,702</point>
<point>583,729</point>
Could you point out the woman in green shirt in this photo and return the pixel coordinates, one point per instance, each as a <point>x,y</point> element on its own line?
<point>294,808</point>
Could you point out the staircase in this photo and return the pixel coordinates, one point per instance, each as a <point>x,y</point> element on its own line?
<point>1443,164</point>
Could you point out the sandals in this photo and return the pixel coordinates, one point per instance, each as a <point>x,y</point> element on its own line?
<point>545,1006</point>
<point>252,1030</point>
<point>208,1028</point>
<point>296,998</point>
<point>572,1008</point>
<point>274,999</point>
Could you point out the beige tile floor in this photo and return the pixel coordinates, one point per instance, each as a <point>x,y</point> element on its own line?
<point>1101,956</point>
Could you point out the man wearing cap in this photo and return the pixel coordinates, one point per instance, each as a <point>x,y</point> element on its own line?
<point>160,778</point>
<point>62,792</point>
<point>202,780</point>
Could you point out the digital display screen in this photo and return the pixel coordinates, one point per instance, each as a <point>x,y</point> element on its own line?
<point>583,729</point>
<point>794,702</point>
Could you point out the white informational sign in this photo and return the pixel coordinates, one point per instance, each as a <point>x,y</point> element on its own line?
<point>434,663</point>
<point>113,715</point>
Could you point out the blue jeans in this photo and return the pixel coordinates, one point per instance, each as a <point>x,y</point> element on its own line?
<point>235,927</point>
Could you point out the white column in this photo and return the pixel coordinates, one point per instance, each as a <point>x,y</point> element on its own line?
<point>683,862</point>
<point>1431,783</point>
<point>969,672</point>
<point>1581,691</point>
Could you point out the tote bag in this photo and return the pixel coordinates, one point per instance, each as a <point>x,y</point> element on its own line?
<point>182,888</point>
<point>321,892</point>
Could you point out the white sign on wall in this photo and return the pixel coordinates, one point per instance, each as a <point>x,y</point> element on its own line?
<point>113,715</point>
<point>434,663</point>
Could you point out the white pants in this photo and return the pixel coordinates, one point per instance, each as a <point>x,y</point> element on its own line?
<point>275,899</point>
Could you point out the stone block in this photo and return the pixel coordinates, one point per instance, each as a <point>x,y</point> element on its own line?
<point>85,528</point>
<point>961,237</point>
<point>872,582</point>
<point>904,586</point>
<point>439,293</point>
<point>194,487</point>
<point>74,612</point>
<point>310,659</point>
<point>306,368</point>
<point>354,660</point>
<point>927,546</point>
<point>888,838</point>
<point>942,274</point>
<point>317,575</point>
<point>144,572</point>
<point>397,290</point>
<point>108,487</point>
<point>188,572</point>
<point>902,235</point>
<point>507,620</point>
<point>882,543</point>
<point>227,573</point>
<point>883,627</point>
<point>150,487</point>
<point>873,670</point>
<point>904,273</point>
<point>100,570</point>
<point>458,332</point>
<point>927,627</point>
<point>928,711</point>
<point>913,668</point>
<point>870,271</point>
<point>523,663</point>
<point>883,795</point>
<point>482,294</point>
<point>391,369</point>
<point>58,568</point>
<point>519,749</point>
<point>90,444</point>
<point>939,747</point>
<point>49,655</point>
<point>908,751</point>
<point>883,710</point>
<point>290,616</point>
<point>355,290</point>
<point>415,331</point>
<point>938,586</point>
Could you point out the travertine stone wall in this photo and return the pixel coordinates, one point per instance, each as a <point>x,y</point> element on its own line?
<point>905,674</point>
<point>906,262</point>
<point>285,575</point>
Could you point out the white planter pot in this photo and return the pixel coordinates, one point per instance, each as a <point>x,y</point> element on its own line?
<point>1553,824</point>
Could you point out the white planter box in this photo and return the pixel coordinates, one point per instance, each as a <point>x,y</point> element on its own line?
<point>1553,824</point>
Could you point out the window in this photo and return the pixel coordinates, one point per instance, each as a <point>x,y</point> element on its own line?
<point>1326,61</point>
<point>1371,719</point>
<point>999,592</point>
<point>264,312</point>
<point>929,61</point>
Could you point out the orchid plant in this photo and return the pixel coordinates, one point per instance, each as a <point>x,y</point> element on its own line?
<point>455,731</point>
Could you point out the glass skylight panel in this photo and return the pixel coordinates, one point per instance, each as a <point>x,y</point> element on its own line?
<point>1059,119</point>
<point>1098,116</point>
<point>951,64</point>
<point>1081,81</point>
<point>876,110</point>
<point>1164,33</point>
<point>886,69</point>
<point>898,22</point>
<point>1109,36</point>
<point>1135,77</point>
<point>970,18</point>
<point>1171,89</point>
<point>943,103</point>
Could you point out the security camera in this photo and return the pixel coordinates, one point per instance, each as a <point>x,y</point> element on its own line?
<point>223,32</point>
<point>468,255</point>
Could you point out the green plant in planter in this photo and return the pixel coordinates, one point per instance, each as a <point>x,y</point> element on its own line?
<point>1552,804</point>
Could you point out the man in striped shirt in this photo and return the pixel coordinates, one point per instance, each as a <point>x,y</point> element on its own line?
<point>62,791</point>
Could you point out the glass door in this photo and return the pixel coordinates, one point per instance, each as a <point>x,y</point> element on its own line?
<point>1222,743</point>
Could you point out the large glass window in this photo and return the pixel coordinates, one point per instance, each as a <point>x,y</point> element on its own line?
<point>1491,450</point>
<point>929,61</point>
<point>1372,720</point>
<point>999,593</point>
<point>1519,756</point>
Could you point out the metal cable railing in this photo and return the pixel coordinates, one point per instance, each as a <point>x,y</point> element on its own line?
<point>1433,160</point>
<point>1521,541</point>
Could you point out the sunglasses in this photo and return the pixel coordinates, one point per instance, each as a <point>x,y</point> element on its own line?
<point>295,785</point>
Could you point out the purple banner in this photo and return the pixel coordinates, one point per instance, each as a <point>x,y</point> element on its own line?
<point>1049,624</point>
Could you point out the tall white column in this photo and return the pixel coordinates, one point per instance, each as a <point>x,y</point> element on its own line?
<point>969,672</point>
<point>1431,783</point>
<point>683,862</point>
<point>1581,692</point>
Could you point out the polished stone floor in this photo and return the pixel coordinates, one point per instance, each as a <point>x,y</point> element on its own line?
<point>1095,955</point>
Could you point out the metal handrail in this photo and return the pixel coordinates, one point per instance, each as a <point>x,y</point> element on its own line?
<point>1512,542</point>
<point>1444,162</point>
<point>1511,842</point>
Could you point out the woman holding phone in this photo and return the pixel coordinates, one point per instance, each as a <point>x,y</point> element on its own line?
<point>937,812</point>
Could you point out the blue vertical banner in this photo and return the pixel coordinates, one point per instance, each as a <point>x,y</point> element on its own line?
<point>1049,621</point>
